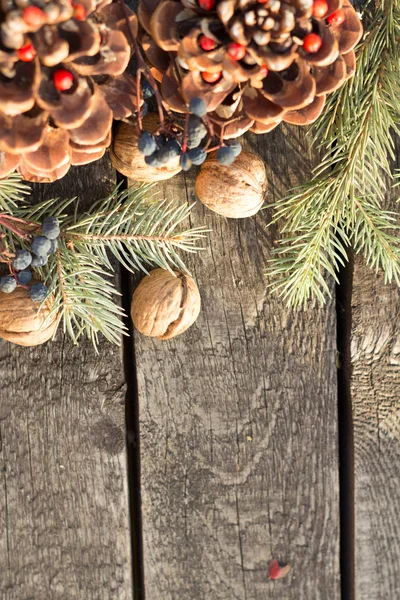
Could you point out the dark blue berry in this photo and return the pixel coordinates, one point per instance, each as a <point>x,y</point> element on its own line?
<point>38,292</point>
<point>51,228</point>
<point>7,284</point>
<point>196,127</point>
<point>147,144</point>
<point>198,107</point>
<point>53,247</point>
<point>235,146</point>
<point>152,160</point>
<point>226,156</point>
<point>24,277</point>
<point>168,152</point>
<point>22,260</point>
<point>147,90</point>
<point>197,156</point>
<point>40,245</point>
<point>185,161</point>
<point>40,261</point>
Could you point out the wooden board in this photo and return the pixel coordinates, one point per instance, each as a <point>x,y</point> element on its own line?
<point>64,518</point>
<point>238,422</point>
<point>375,391</point>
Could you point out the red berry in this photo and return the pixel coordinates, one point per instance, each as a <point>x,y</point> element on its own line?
<point>26,53</point>
<point>63,80</point>
<point>207,43</point>
<point>320,8</point>
<point>33,15</point>
<point>312,43</point>
<point>236,51</point>
<point>79,12</point>
<point>206,4</point>
<point>263,71</point>
<point>262,1</point>
<point>211,77</point>
<point>336,18</point>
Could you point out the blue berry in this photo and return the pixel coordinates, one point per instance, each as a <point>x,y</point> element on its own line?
<point>24,277</point>
<point>7,284</point>
<point>51,228</point>
<point>40,245</point>
<point>226,156</point>
<point>197,156</point>
<point>196,128</point>
<point>147,90</point>
<point>152,160</point>
<point>198,107</point>
<point>38,292</point>
<point>168,152</point>
<point>39,261</point>
<point>147,144</point>
<point>53,247</point>
<point>235,146</point>
<point>185,162</point>
<point>22,260</point>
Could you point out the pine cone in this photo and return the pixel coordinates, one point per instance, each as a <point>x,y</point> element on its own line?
<point>253,62</point>
<point>62,81</point>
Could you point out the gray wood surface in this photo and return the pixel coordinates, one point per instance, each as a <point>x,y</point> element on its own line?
<point>375,390</point>
<point>238,422</point>
<point>64,518</point>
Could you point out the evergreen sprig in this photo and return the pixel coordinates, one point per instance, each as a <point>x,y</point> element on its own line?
<point>343,204</point>
<point>140,232</point>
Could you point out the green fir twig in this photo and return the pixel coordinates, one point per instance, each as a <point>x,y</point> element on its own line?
<point>343,204</point>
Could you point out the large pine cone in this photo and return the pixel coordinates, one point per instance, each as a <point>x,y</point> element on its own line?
<point>45,129</point>
<point>247,59</point>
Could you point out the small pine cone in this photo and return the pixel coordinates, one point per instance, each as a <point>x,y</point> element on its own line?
<point>254,63</point>
<point>62,81</point>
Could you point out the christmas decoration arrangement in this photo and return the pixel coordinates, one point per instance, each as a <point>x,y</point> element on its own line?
<point>211,70</point>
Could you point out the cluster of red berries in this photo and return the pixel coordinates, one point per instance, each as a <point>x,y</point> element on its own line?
<point>34,16</point>
<point>312,42</point>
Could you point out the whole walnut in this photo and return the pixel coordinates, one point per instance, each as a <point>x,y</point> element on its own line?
<point>234,191</point>
<point>21,319</point>
<point>127,159</point>
<point>165,305</point>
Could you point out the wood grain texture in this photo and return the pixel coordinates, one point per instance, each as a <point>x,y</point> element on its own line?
<point>238,421</point>
<point>375,390</point>
<point>64,519</point>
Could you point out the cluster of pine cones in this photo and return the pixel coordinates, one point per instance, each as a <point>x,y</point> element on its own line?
<point>62,81</point>
<point>254,62</point>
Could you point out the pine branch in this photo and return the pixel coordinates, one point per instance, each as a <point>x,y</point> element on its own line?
<point>342,203</point>
<point>138,231</point>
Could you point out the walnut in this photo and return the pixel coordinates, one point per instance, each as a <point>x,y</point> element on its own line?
<point>164,305</point>
<point>21,320</point>
<point>236,191</point>
<point>127,159</point>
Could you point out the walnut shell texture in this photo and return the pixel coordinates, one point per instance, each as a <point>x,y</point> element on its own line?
<point>21,320</point>
<point>236,191</point>
<point>127,159</point>
<point>164,305</point>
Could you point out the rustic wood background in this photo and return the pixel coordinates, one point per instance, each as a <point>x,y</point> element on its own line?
<point>232,434</point>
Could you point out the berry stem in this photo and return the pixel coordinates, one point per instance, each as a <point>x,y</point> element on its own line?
<point>19,232</point>
<point>185,134</point>
<point>142,66</point>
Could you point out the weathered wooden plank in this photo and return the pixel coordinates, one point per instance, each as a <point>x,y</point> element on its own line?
<point>64,518</point>
<point>375,391</point>
<point>238,422</point>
